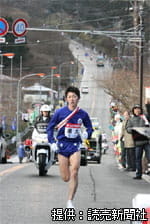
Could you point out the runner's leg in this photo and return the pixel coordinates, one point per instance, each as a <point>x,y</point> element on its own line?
<point>74,160</point>
<point>64,167</point>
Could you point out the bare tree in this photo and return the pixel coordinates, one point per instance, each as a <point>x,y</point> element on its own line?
<point>123,86</point>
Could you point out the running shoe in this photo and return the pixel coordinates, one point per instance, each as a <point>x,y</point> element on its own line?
<point>69,204</point>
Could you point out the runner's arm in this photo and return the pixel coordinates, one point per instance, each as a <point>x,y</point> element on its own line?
<point>87,123</point>
<point>50,129</point>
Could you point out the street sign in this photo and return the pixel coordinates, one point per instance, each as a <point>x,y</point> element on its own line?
<point>2,39</point>
<point>4,27</point>
<point>20,40</point>
<point>19,27</point>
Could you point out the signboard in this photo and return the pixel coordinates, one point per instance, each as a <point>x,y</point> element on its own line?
<point>2,39</point>
<point>4,27</point>
<point>143,131</point>
<point>19,27</point>
<point>20,40</point>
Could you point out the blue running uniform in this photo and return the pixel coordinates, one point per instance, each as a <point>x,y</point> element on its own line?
<point>69,136</point>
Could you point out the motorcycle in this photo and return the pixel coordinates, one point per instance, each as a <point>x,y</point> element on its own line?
<point>43,156</point>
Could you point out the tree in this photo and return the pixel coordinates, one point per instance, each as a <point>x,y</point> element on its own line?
<point>123,87</point>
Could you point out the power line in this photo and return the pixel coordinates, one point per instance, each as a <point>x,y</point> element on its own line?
<point>114,34</point>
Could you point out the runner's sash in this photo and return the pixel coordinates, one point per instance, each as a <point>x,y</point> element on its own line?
<point>64,122</point>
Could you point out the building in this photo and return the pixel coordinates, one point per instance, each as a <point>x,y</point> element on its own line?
<point>38,93</point>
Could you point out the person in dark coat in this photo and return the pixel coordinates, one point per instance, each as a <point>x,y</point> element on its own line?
<point>141,141</point>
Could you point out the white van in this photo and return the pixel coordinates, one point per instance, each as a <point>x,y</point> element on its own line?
<point>84,89</point>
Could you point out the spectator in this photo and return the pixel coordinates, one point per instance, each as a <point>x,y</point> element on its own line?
<point>116,135</point>
<point>128,150</point>
<point>141,141</point>
<point>21,152</point>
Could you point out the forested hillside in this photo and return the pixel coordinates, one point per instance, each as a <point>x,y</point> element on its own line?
<point>46,49</point>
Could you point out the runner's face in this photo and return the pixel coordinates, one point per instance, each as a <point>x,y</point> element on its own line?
<point>72,99</point>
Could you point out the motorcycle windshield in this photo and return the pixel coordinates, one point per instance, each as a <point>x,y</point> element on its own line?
<point>41,128</point>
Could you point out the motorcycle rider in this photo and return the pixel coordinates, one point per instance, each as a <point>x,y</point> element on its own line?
<point>44,117</point>
<point>45,114</point>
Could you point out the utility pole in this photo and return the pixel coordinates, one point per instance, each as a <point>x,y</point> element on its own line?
<point>138,50</point>
<point>135,24</point>
<point>141,45</point>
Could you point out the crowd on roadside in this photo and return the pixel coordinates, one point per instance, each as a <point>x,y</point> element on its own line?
<point>131,139</point>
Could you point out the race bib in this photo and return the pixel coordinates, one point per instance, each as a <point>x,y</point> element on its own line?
<point>72,130</point>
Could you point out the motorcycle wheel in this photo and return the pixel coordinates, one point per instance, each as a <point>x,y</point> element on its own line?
<point>42,160</point>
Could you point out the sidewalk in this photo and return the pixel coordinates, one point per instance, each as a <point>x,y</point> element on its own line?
<point>132,174</point>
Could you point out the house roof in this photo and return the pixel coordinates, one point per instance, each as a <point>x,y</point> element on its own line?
<point>38,87</point>
<point>6,77</point>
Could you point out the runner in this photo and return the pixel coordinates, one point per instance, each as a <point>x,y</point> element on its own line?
<point>68,121</point>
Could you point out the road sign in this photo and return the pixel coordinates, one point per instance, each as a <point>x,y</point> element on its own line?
<point>19,27</point>
<point>2,39</point>
<point>3,27</point>
<point>20,40</point>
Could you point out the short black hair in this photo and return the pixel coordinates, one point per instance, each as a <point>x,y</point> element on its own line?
<point>137,106</point>
<point>72,89</point>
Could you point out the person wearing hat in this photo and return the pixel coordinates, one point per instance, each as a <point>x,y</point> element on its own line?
<point>141,141</point>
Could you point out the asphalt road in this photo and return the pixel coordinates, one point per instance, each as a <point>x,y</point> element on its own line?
<point>26,198</point>
<point>96,102</point>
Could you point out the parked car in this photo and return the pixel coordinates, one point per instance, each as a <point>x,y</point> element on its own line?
<point>100,61</point>
<point>3,147</point>
<point>94,150</point>
<point>94,146</point>
<point>83,161</point>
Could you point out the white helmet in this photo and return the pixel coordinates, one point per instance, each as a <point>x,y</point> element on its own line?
<point>45,107</point>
